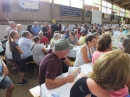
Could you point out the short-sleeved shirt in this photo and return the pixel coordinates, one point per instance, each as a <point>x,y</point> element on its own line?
<point>7,31</point>
<point>15,54</point>
<point>50,68</point>
<point>35,30</point>
<point>38,54</point>
<point>24,44</point>
<point>44,40</point>
<point>72,42</point>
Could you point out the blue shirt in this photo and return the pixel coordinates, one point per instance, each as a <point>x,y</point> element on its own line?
<point>24,44</point>
<point>116,33</point>
<point>125,31</point>
<point>35,30</point>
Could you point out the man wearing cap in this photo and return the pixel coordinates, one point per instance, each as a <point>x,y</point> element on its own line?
<point>51,65</point>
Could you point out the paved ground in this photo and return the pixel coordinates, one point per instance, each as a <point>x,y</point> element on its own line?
<point>21,91</point>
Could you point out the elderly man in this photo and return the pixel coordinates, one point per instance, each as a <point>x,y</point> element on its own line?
<point>43,39</point>
<point>25,43</point>
<point>56,37</point>
<point>11,27</point>
<point>35,28</point>
<point>19,29</point>
<point>51,66</point>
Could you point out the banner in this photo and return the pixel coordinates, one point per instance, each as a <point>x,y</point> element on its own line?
<point>28,4</point>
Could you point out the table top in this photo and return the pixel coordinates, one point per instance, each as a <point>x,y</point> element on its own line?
<point>63,91</point>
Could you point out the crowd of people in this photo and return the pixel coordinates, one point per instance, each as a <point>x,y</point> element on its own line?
<point>48,46</point>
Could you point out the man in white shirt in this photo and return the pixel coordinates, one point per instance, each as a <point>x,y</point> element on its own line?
<point>11,27</point>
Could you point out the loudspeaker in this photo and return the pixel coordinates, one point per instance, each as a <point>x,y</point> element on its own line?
<point>5,6</point>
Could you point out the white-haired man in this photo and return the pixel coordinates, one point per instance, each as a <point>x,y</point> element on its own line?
<point>35,28</point>
<point>19,29</point>
<point>11,27</point>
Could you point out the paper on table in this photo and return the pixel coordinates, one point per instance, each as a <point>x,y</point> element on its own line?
<point>61,91</point>
<point>73,70</point>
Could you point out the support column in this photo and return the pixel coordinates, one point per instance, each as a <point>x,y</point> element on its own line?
<point>52,10</point>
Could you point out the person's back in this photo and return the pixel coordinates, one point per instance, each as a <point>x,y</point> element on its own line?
<point>96,55</point>
<point>25,44</point>
<point>38,54</point>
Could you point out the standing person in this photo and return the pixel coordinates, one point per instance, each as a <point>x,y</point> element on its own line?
<point>16,55</point>
<point>65,27</point>
<point>19,29</point>
<point>54,28</point>
<point>35,28</point>
<point>11,27</point>
<point>51,66</point>
<point>45,30</point>
<point>29,28</point>
<point>5,81</point>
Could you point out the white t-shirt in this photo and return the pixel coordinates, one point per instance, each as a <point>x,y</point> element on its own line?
<point>7,31</point>
<point>8,53</point>
<point>38,54</point>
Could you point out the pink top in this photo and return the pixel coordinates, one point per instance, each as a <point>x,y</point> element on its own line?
<point>120,93</point>
<point>95,56</point>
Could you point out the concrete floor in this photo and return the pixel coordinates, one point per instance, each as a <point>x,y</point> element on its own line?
<point>21,91</point>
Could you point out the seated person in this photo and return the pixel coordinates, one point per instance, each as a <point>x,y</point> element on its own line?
<point>103,45</point>
<point>5,81</point>
<point>72,39</point>
<point>97,35</point>
<point>51,66</point>
<point>82,37</point>
<point>43,39</point>
<point>38,50</point>
<point>104,77</point>
<point>84,54</point>
<point>56,37</point>
<point>24,43</point>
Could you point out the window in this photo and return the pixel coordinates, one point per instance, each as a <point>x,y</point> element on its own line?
<point>104,10</point>
<point>89,2</point>
<point>77,3</point>
<point>108,11</point>
<point>106,7</point>
<point>97,2</point>
<point>109,5</point>
<point>116,9</point>
<point>63,2</point>
<point>47,0</point>
<point>122,12</point>
<point>127,14</point>
<point>104,3</point>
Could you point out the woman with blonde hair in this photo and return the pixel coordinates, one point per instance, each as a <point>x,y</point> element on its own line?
<point>104,77</point>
